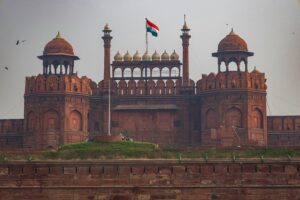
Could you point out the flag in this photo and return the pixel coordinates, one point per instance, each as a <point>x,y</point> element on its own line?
<point>152,28</point>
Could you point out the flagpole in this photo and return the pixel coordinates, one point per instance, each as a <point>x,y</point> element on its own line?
<point>109,107</point>
<point>146,36</point>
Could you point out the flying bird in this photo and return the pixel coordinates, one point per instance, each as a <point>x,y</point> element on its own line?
<point>18,42</point>
<point>6,67</point>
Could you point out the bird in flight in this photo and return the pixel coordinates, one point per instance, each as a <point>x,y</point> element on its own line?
<point>20,41</point>
<point>6,67</point>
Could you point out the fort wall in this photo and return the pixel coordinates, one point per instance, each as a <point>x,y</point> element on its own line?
<point>149,180</point>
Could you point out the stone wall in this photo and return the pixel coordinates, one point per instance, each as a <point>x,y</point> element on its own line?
<point>284,131</point>
<point>150,180</point>
<point>11,133</point>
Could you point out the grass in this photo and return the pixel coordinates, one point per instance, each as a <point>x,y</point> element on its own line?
<point>136,150</point>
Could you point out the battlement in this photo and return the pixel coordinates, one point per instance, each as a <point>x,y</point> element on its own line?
<point>232,80</point>
<point>57,83</point>
<point>150,179</point>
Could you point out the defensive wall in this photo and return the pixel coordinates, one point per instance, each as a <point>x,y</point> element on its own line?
<point>150,179</point>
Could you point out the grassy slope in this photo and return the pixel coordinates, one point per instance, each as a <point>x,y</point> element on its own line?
<point>119,150</point>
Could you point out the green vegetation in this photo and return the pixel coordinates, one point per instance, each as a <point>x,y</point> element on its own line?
<point>139,150</point>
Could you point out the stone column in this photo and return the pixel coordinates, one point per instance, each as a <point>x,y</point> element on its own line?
<point>185,53</point>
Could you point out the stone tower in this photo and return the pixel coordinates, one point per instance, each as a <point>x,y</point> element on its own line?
<point>233,101</point>
<point>56,102</point>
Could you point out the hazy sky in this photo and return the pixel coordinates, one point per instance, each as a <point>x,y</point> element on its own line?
<point>270,27</point>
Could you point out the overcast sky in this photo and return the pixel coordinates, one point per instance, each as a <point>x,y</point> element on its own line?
<point>270,27</point>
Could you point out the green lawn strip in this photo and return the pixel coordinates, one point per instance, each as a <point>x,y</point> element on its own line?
<point>131,150</point>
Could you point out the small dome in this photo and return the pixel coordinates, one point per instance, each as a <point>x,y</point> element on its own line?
<point>58,46</point>
<point>137,56</point>
<point>232,42</point>
<point>118,57</point>
<point>155,56</point>
<point>174,56</point>
<point>127,57</point>
<point>107,27</point>
<point>165,56</point>
<point>255,70</point>
<point>146,56</point>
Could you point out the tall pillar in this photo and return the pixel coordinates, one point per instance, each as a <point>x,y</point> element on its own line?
<point>185,53</point>
<point>107,39</point>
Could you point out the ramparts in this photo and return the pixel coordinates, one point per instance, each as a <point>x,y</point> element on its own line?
<point>150,179</point>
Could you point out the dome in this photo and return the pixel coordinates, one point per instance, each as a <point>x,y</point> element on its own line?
<point>255,70</point>
<point>232,42</point>
<point>155,56</point>
<point>174,56</point>
<point>127,57</point>
<point>165,56</point>
<point>146,56</point>
<point>58,46</point>
<point>107,27</point>
<point>118,57</point>
<point>137,56</point>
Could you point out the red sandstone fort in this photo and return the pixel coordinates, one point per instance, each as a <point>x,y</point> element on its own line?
<point>152,99</point>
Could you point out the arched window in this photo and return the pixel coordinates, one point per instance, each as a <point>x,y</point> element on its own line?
<point>257,119</point>
<point>232,66</point>
<point>118,73</point>
<point>210,119</point>
<point>136,72</point>
<point>223,66</point>
<point>51,120</point>
<point>242,66</point>
<point>127,72</point>
<point>155,72</point>
<point>233,118</point>
<point>165,72</point>
<point>174,72</point>
<point>75,121</point>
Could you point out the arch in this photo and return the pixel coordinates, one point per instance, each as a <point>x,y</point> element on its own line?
<point>165,72</point>
<point>242,65</point>
<point>151,87</point>
<point>31,121</point>
<point>233,118</point>
<point>155,72</point>
<point>140,87</point>
<point>288,124</point>
<point>277,124</point>
<point>122,88</point>
<point>131,87</point>
<point>127,72</point>
<point>136,72</point>
<point>118,72</point>
<point>232,65</point>
<point>258,119</point>
<point>51,120</point>
<point>65,67</point>
<point>222,66</point>
<point>160,87</point>
<point>170,87</point>
<point>174,72</point>
<point>55,66</point>
<point>210,119</point>
<point>75,121</point>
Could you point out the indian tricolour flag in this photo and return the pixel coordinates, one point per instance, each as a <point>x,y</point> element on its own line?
<point>152,28</point>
